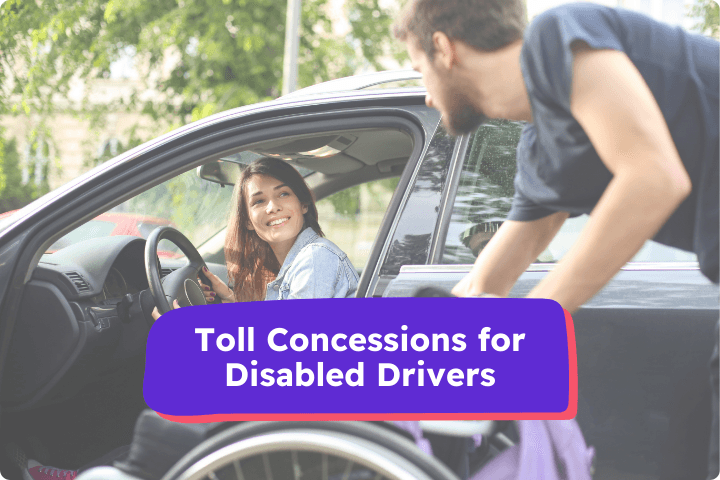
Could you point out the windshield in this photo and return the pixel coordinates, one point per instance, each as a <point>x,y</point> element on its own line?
<point>196,207</point>
<point>6,219</point>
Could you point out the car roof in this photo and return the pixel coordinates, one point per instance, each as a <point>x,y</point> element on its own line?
<point>358,82</point>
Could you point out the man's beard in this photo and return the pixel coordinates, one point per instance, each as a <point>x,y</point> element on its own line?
<point>462,118</point>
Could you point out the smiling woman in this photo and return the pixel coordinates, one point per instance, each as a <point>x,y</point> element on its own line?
<point>276,213</point>
<point>274,247</point>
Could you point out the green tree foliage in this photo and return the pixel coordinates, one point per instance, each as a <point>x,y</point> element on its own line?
<point>197,56</point>
<point>194,57</point>
<point>109,151</point>
<point>13,194</point>
<point>348,202</point>
<point>708,14</point>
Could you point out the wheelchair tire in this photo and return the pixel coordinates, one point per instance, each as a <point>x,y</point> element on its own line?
<point>308,451</point>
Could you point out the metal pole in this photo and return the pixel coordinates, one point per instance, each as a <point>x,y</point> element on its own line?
<point>292,46</point>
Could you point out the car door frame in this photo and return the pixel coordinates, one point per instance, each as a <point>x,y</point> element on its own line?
<point>22,244</point>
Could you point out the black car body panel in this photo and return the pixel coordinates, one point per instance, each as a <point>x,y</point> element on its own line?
<point>643,347</point>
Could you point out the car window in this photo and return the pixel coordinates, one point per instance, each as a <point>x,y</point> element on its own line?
<point>410,244</point>
<point>6,219</point>
<point>196,207</point>
<point>145,228</point>
<point>351,218</point>
<point>485,190</point>
<point>92,229</point>
<point>651,251</point>
<point>484,196</point>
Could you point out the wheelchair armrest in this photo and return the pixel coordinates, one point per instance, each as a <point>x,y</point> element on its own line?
<point>458,428</point>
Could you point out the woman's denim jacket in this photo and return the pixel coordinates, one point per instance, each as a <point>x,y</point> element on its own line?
<point>314,268</point>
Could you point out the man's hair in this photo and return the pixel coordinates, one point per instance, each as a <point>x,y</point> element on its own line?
<point>483,24</point>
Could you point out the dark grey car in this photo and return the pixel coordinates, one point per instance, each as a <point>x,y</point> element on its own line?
<point>73,323</point>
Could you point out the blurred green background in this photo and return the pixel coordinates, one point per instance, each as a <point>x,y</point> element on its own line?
<point>84,80</point>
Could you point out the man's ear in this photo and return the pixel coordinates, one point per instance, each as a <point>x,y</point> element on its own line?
<point>445,52</point>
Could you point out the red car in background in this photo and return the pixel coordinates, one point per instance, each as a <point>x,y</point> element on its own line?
<point>110,224</point>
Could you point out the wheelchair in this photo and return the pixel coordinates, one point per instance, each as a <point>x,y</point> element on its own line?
<point>322,450</point>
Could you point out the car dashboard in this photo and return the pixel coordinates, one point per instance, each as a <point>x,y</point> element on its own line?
<point>85,312</point>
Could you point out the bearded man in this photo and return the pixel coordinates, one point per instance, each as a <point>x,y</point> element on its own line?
<point>623,125</point>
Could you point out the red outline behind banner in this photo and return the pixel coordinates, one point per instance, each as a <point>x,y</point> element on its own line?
<point>569,413</point>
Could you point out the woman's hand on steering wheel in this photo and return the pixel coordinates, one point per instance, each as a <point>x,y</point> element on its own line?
<point>155,314</point>
<point>218,288</point>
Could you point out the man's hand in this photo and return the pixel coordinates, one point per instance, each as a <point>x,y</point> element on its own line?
<point>508,254</point>
<point>464,288</point>
<point>467,288</point>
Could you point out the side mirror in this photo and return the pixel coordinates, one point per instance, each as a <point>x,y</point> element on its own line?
<point>220,171</point>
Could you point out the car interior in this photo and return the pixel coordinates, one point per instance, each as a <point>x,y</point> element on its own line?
<point>72,388</point>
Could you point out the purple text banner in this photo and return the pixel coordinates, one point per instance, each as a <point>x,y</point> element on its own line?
<point>363,359</point>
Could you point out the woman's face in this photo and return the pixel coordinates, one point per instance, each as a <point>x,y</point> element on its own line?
<point>275,212</point>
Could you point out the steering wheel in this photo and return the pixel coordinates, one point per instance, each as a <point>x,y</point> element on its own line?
<point>181,284</point>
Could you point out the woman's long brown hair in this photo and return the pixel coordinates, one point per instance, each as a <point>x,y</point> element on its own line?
<point>250,261</point>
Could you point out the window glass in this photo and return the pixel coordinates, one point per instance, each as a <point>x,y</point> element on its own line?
<point>484,196</point>
<point>351,218</point>
<point>196,207</point>
<point>91,229</point>
<point>146,228</point>
<point>651,251</point>
<point>410,244</point>
<point>485,191</point>
<point>6,219</point>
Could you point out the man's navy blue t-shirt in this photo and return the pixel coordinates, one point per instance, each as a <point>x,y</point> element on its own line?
<point>558,168</point>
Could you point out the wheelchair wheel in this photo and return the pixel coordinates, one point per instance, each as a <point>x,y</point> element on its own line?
<point>308,451</point>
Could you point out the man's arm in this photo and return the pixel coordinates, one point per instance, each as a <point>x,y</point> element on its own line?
<point>508,254</point>
<point>618,112</point>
